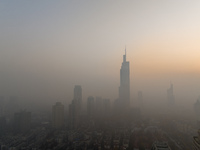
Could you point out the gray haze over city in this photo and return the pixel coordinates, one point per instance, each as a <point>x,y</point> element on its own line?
<point>49,50</point>
<point>48,47</point>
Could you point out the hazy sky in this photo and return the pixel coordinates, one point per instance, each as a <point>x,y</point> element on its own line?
<point>47,47</point>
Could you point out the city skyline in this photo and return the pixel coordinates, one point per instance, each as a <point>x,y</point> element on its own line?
<point>48,47</point>
<point>106,75</point>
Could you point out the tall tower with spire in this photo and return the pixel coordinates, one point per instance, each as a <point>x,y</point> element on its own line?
<point>124,88</point>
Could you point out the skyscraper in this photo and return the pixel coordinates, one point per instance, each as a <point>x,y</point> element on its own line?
<point>124,88</point>
<point>74,115</point>
<point>75,107</point>
<point>58,115</point>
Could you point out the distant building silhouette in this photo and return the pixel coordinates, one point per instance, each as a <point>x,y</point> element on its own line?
<point>58,115</point>
<point>124,88</point>
<point>78,96</point>
<point>123,102</point>
<point>170,96</point>
<point>22,122</point>
<point>73,115</point>
<point>90,106</point>
<point>75,108</point>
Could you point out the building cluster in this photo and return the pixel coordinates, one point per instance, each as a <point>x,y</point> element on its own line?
<point>28,141</point>
<point>96,108</point>
<point>99,126</point>
<point>107,136</point>
<point>12,119</point>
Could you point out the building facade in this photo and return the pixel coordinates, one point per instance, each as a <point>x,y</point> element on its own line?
<point>124,88</point>
<point>75,108</point>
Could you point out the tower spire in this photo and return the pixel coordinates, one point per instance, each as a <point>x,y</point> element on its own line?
<point>124,57</point>
<point>125,50</point>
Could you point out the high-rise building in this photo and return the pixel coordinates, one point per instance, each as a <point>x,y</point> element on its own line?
<point>90,106</point>
<point>75,108</point>
<point>74,115</point>
<point>170,96</point>
<point>124,88</point>
<point>58,115</point>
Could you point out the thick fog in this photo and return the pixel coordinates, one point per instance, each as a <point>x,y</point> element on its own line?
<point>99,75</point>
<point>48,48</point>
